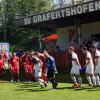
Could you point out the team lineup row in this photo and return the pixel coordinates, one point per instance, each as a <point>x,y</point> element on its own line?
<point>92,68</point>
<point>42,67</point>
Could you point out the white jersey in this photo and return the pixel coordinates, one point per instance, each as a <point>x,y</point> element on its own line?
<point>74,56</point>
<point>90,66</point>
<point>37,68</point>
<point>89,56</point>
<point>97,54</point>
<point>75,67</point>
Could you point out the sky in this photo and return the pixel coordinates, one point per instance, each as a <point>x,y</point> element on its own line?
<point>0,0</point>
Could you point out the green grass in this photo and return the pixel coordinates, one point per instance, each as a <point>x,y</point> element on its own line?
<point>32,91</point>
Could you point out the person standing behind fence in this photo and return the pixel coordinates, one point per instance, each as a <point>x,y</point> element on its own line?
<point>51,66</point>
<point>75,71</point>
<point>14,61</point>
<point>89,67</point>
<point>97,65</point>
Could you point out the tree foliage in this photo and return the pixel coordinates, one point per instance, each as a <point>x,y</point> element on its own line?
<point>12,9</point>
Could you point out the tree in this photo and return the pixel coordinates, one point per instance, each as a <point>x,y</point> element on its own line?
<point>12,9</point>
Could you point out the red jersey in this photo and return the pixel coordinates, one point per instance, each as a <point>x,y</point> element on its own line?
<point>43,60</point>
<point>14,61</point>
<point>1,63</point>
<point>25,59</point>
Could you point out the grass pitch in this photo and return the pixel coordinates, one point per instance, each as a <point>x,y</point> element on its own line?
<point>32,91</point>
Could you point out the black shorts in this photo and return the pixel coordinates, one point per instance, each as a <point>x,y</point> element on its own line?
<point>50,74</point>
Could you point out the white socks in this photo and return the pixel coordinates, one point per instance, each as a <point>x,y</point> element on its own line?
<point>74,79</point>
<point>94,80</point>
<point>89,79</point>
<point>80,80</point>
<point>97,80</point>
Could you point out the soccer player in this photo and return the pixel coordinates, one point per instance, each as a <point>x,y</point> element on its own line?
<point>1,67</point>
<point>44,68</point>
<point>14,61</point>
<point>25,63</point>
<point>97,65</point>
<point>31,66</point>
<point>38,69</point>
<point>75,71</point>
<point>89,67</point>
<point>51,66</point>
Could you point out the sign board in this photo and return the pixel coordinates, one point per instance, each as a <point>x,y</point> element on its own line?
<point>64,12</point>
<point>4,47</point>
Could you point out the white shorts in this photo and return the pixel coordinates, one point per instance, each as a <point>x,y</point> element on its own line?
<point>75,70</point>
<point>97,70</point>
<point>38,73</point>
<point>90,70</point>
<point>38,70</point>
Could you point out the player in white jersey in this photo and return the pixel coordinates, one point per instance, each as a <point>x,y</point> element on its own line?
<point>89,67</point>
<point>97,65</point>
<point>38,69</point>
<point>75,71</point>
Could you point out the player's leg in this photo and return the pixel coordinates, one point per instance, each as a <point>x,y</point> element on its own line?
<point>97,76</point>
<point>12,74</point>
<point>91,72</point>
<point>51,78</point>
<point>26,72</point>
<point>79,79</point>
<point>30,72</point>
<point>88,76</point>
<point>73,77</point>
<point>93,79</point>
<point>18,75</point>
<point>89,79</point>
<point>97,79</point>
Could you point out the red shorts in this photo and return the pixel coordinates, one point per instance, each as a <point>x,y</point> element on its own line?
<point>1,71</point>
<point>15,70</point>
<point>31,68</point>
<point>26,67</point>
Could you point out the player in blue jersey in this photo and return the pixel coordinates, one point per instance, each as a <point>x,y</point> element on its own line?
<point>51,66</point>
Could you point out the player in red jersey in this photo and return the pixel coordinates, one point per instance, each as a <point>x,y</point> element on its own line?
<point>14,61</point>
<point>1,66</point>
<point>25,63</point>
<point>31,66</point>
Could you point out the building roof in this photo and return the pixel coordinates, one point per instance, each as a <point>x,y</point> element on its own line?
<point>86,12</point>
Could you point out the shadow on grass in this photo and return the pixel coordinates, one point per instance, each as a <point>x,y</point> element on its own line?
<point>31,87</point>
<point>33,90</point>
<point>34,87</point>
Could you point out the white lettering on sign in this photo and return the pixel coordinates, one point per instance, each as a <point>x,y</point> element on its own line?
<point>27,21</point>
<point>35,19</point>
<point>79,9</point>
<point>68,12</point>
<point>48,16</point>
<point>91,7</point>
<point>85,8</point>
<point>73,10</point>
<point>60,13</point>
<point>97,5</point>
<point>53,15</point>
<point>44,17</point>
